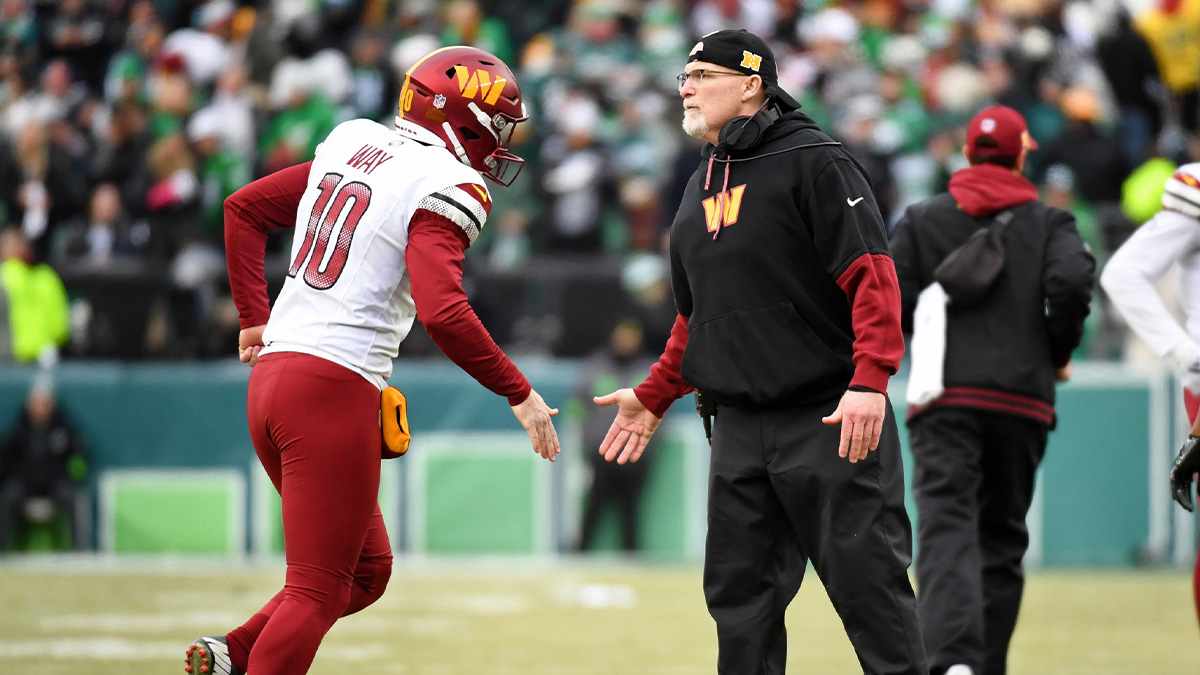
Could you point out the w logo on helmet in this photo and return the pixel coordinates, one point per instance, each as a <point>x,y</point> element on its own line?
<point>479,82</point>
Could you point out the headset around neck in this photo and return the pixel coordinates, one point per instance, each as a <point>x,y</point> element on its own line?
<point>742,133</point>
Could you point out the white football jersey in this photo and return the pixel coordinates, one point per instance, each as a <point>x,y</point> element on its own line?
<point>1171,237</point>
<point>348,297</point>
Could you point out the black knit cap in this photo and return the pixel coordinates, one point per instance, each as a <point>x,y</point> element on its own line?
<point>746,53</point>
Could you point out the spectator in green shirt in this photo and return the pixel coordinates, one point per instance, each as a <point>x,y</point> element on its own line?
<point>221,172</point>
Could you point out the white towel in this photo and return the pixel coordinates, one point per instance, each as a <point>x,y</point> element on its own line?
<point>928,348</point>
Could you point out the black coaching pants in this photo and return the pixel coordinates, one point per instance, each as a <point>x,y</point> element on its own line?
<point>973,483</point>
<point>779,496</point>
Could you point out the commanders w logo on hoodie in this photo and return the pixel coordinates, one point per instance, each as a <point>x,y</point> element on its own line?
<point>721,210</point>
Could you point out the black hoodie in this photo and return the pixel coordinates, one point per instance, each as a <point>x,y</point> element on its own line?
<point>780,266</point>
<point>1001,354</point>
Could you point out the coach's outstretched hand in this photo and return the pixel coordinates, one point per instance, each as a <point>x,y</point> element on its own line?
<point>250,343</point>
<point>1186,466</point>
<point>534,415</point>
<point>631,430</point>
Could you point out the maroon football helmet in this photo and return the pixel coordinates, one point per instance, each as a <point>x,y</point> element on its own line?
<point>469,99</point>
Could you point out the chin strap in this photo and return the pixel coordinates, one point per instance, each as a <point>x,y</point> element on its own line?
<point>483,120</point>
<point>459,150</point>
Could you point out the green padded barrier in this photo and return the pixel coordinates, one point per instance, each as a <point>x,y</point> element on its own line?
<point>181,511</point>
<point>1101,500</point>
<point>671,521</point>
<point>1093,503</point>
<point>1096,478</point>
<point>478,493</point>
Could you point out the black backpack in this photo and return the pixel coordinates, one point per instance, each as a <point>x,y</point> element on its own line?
<point>970,271</point>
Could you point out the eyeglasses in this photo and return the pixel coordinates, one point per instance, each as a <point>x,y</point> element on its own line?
<point>699,75</point>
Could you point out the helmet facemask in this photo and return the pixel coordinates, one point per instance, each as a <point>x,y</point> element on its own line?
<point>501,165</point>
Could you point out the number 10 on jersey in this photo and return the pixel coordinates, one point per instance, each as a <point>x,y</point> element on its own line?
<point>320,273</point>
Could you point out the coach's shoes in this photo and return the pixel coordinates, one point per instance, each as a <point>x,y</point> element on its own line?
<point>209,656</point>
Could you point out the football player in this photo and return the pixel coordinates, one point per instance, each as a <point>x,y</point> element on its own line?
<point>1170,238</point>
<point>383,217</point>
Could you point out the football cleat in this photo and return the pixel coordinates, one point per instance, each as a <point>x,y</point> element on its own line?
<point>209,655</point>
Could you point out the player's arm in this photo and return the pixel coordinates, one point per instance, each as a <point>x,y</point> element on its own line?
<point>266,204</point>
<point>435,252</point>
<point>437,244</point>
<point>1130,275</point>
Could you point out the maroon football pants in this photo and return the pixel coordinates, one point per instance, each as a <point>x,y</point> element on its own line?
<point>315,428</point>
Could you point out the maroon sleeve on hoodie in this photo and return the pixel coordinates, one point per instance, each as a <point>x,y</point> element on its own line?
<point>268,203</point>
<point>665,383</point>
<point>873,291</point>
<point>434,254</point>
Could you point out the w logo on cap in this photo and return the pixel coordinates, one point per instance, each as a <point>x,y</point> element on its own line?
<point>751,61</point>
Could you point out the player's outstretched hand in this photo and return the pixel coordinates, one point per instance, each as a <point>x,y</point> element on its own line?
<point>250,343</point>
<point>631,430</point>
<point>1186,466</point>
<point>534,415</point>
<point>861,415</point>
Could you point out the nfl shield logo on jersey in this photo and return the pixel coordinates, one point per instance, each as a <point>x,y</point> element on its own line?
<point>439,101</point>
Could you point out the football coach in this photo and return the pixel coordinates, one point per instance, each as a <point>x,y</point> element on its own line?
<point>788,330</point>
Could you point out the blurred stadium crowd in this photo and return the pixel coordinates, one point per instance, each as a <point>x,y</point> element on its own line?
<point>125,123</point>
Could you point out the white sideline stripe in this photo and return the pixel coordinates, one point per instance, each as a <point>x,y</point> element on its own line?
<point>597,596</point>
<point>89,648</point>
<point>486,604</point>
<point>95,623</point>
<point>92,649</point>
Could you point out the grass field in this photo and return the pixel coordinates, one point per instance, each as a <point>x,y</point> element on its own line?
<point>536,617</point>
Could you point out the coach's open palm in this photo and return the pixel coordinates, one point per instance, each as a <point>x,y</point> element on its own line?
<point>534,415</point>
<point>631,430</point>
